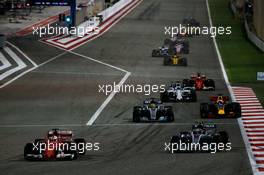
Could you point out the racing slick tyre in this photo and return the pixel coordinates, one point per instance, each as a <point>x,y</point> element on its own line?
<point>38,140</point>
<point>175,142</point>
<point>74,153</point>
<point>185,50</point>
<point>29,149</point>
<point>166,61</point>
<point>164,97</point>
<point>136,114</point>
<point>223,137</point>
<point>210,83</point>
<point>236,107</point>
<point>193,96</point>
<point>170,114</point>
<point>188,83</point>
<point>79,141</point>
<point>168,41</point>
<point>204,110</point>
<point>186,44</point>
<point>184,61</point>
<point>155,53</point>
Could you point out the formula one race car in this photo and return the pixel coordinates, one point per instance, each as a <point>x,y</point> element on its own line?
<point>220,107</point>
<point>177,93</point>
<point>199,82</point>
<point>174,41</point>
<point>174,60</point>
<point>153,110</point>
<point>161,51</point>
<point>201,134</point>
<point>57,145</point>
<point>171,47</point>
<point>192,27</point>
<point>190,22</point>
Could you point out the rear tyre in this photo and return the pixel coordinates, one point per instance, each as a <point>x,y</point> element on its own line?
<point>223,137</point>
<point>164,97</point>
<point>167,41</point>
<point>166,61</point>
<point>236,107</point>
<point>136,114</point>
<point>28,149</point>
<point>155,53</point>
<point>204,110</point>
<point>210,83</point>
<point>184,61</point>
<point>193,95</point>
<point>78,142</point>
<point>170,115</point>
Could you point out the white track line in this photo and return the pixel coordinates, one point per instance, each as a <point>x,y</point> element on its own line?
<point>104,125</point>
<point>112,94</point>
<point>97,61</point>
<point>22,53</point>
<point>108,99</point>
<point>19,62</point>
<point>29,70</point>
<point>4,61</point>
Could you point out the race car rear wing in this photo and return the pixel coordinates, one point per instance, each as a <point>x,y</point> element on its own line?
<point>216,98</point>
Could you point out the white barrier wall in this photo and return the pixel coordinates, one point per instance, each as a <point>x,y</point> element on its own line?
<point>115,8</point>
<point>253,38</point>
<point>258,18</point>
<point>94,22</point>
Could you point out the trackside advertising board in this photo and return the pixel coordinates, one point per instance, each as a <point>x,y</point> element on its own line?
<point>52,2</point>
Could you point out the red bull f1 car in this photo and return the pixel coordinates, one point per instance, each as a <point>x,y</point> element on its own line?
<point>220,107</point>
<point>57,145</point>
<point>199,82</point>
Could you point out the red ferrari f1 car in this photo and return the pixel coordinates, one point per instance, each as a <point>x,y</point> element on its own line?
<point>220,107</point>
<point>57,145</point>
<point>199,82</point>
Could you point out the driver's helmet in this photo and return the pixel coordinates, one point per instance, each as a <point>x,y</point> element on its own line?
<point>220,100</point>
<point>175,56</point>
<point>53,138</point>
<point>163,48</point>
<point>198,75</point>
<point>152,105</point>
<point>220,104</point>
<point>198,131</point>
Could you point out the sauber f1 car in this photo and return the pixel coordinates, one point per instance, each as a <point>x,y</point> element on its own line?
<point>177,93</point>
<point>57,145</point>
<point>153,110</point>
<point>175,41</point>
<point>199,82</point>
<point>219,107</point>
<point>200,134</point>
<point>174,60</point>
